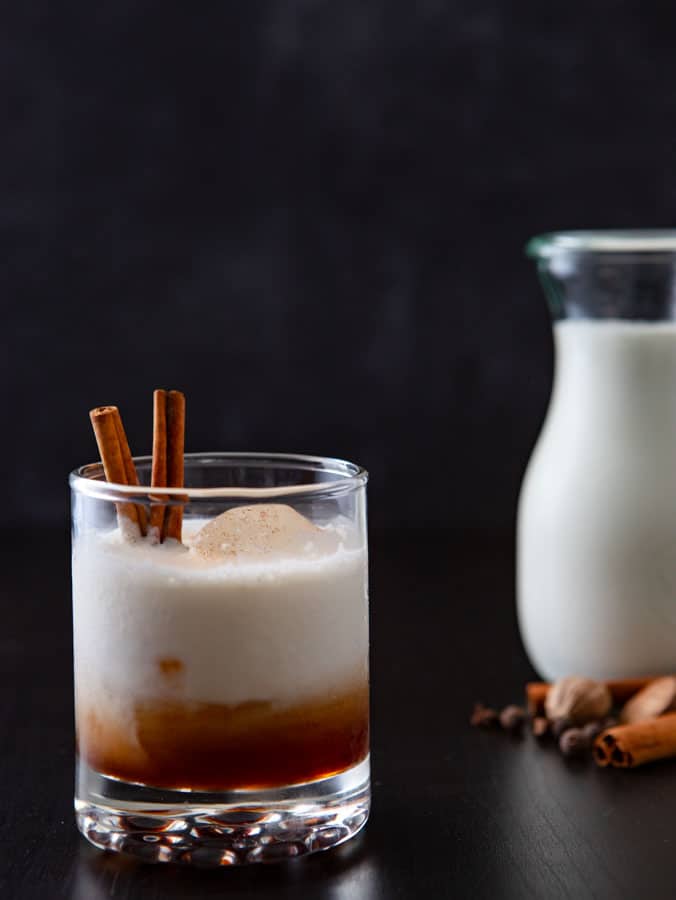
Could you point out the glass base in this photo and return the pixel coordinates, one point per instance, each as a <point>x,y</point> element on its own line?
<point>224,828</point>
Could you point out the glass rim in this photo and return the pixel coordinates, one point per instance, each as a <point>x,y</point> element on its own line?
<point>604,240</point>
<point>88,480</point>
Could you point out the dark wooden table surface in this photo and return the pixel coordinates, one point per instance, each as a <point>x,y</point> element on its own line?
<point>456,812</point>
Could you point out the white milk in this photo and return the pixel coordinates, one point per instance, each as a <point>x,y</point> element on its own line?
<point>596,566</point>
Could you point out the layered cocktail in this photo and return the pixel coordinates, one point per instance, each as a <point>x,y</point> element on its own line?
<point>222,678</point>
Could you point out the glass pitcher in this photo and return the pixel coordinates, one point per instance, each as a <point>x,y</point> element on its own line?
<point>596,542</point>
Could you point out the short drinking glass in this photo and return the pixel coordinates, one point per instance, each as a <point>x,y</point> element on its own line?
<point>221,682</point>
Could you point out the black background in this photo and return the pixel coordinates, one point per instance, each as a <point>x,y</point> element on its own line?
<point>310,215</point>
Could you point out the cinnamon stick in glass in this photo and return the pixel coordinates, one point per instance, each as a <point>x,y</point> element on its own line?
<point>116,457</point>
<point>158,476</point>
<point>130,468</point>
<point>175,466</point>
<point>168,466</point>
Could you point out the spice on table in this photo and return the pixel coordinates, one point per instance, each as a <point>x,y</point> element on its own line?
<point>621,690</point>
<point>540,726</point>
<point>483,716</point>
<point>558,726</point>
<point>580,715</point>
<point>512,718</point>
<point>592,730</point>
<point>654,699</point>
<point>628,746</point>
<point>573,742</point>
<point>579,699</point>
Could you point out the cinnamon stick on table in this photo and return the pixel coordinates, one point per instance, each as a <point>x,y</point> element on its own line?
<point>628,746</point>
<point>116,457</point>
<point>168,467</point>
<point>621,690</point>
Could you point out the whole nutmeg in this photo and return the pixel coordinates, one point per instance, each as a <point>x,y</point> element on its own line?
<point>574,742</point>
<point>579,699</point>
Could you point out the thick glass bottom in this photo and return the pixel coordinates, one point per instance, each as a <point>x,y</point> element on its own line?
<point>224,828</point>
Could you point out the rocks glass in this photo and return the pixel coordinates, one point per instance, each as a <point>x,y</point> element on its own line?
<point>221,682</point>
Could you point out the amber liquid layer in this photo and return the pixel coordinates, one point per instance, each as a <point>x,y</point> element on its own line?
<point>209,746</point>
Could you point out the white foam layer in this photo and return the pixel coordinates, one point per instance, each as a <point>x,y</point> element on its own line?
<point>278,628</point>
